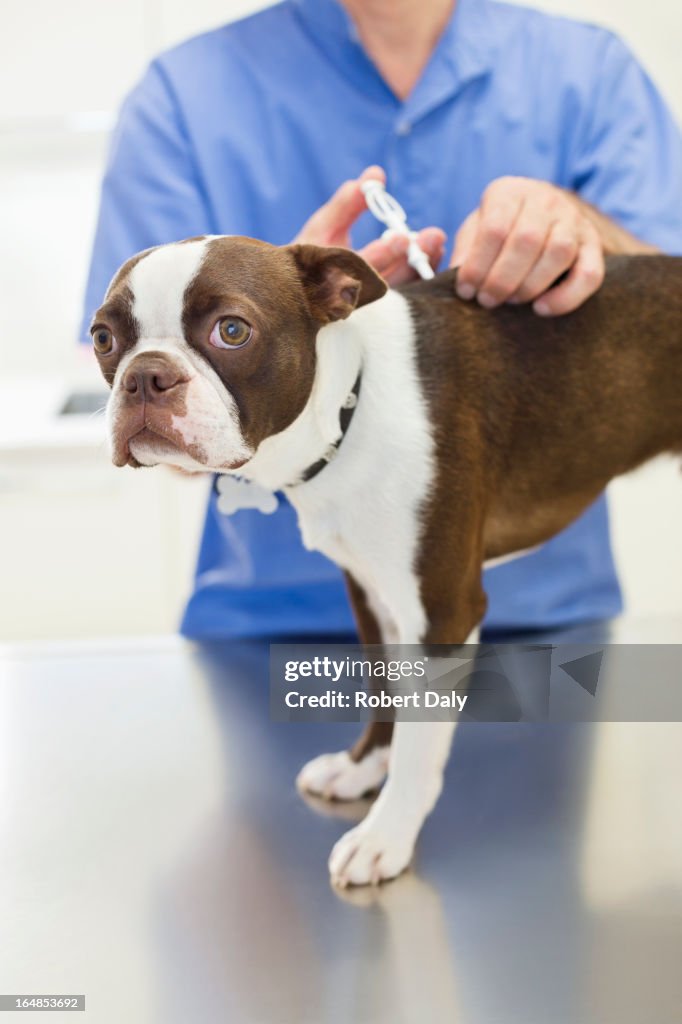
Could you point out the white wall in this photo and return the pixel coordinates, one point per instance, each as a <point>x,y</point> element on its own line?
<point>652,30</point>
<point>63,71</point>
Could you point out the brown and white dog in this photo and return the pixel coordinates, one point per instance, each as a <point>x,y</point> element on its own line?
<point>475,434</point>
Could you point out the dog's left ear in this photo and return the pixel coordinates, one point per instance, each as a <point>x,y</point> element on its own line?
<point>336,281</point>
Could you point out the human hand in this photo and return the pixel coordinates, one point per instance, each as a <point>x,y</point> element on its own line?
<point>523,236</point>
<point>331,224</point>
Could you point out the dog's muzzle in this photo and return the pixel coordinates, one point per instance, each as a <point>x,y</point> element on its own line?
<point>149,401</point>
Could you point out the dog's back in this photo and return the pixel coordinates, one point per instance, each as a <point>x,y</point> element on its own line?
<point>555,407</point>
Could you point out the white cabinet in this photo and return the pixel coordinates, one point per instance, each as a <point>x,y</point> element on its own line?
<point>87,549</point>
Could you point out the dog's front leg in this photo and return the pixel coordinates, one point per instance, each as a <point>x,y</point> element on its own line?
<point>381,846</point>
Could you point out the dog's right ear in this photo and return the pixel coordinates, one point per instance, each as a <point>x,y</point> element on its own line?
<point>336,281</point>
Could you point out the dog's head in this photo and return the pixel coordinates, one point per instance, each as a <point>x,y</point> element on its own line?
<point>208,345</point>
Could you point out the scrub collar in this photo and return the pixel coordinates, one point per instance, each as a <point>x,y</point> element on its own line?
<point>465,51</point>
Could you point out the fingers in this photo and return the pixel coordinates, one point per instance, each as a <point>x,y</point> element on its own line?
<point>558,255</point>
<point>521,251</point>
<point>385,254</point>
<point>330,225</point>
<point>432,241</point>
<point>525,235</point>
<point>497,215</point>
<point>374,172</point>
<point>584,278</point>
<point>389,256</point>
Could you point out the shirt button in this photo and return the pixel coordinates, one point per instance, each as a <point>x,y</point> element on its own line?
<point>403,128</point>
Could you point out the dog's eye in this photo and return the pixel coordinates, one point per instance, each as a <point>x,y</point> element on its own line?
<point>230,332</point>
<point>104,341</point>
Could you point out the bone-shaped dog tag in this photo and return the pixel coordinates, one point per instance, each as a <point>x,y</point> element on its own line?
<point>235,493</point>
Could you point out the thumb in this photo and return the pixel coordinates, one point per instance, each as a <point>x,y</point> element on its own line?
<point>373,173</point>
<point>331,223</point>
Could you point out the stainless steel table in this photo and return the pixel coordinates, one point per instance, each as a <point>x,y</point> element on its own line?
<point>155,856</point>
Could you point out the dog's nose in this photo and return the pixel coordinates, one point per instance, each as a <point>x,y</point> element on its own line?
<point>152,380</point>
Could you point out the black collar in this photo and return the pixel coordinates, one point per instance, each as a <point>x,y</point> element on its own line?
<point>345,417</point>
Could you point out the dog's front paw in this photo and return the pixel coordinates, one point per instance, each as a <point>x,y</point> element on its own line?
<point>370,854</point>
<point>338,777</point>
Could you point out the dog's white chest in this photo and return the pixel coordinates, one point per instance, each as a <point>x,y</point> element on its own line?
<point>363,510</point>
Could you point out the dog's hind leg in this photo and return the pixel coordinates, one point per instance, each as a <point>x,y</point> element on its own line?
<point>350,774</point>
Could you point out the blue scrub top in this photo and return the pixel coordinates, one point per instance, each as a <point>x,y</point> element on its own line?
<point>249,128</point>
